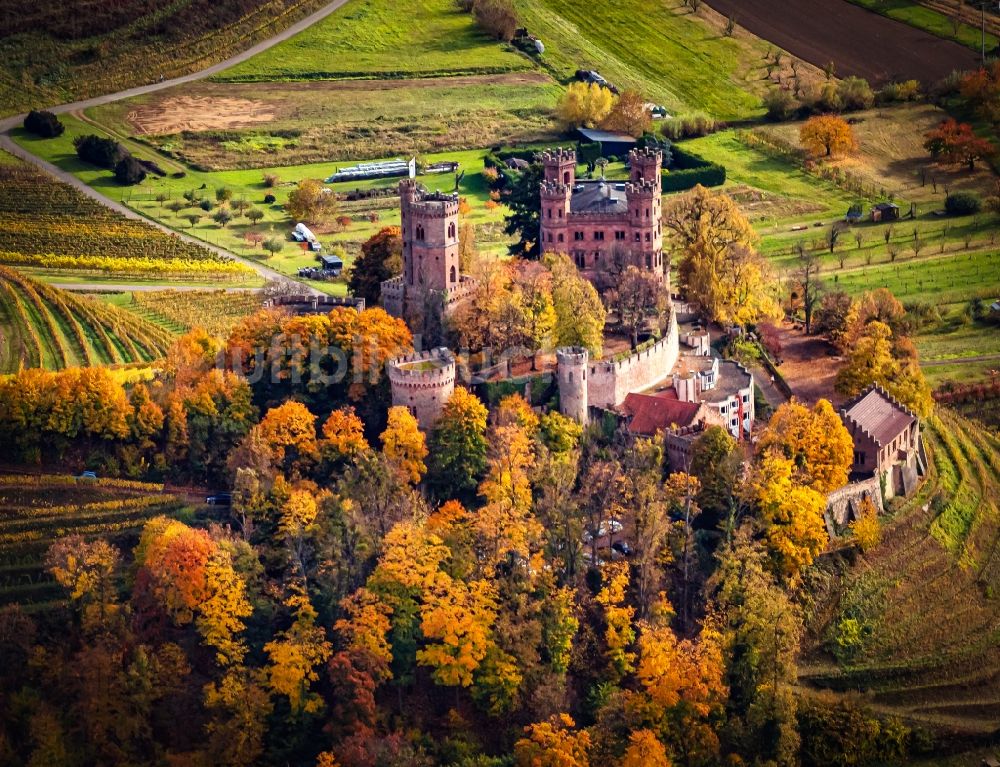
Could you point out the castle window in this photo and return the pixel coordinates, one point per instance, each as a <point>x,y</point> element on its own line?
<point>578,236</point>
<point>453,276</point>
<point>548,212</point>
<point>647,212</point>
<point>649,261</point>
<point>451,230</point>
<point>548,237</point>
<point>420,232</point>
<point>647,237</point>
<point>599,236</point>
<point>638,237</point>
<point>560,212</point>
<point>571,376</point>
<point>560,237</point>
<point>619,235</point>
<point>565,176</point>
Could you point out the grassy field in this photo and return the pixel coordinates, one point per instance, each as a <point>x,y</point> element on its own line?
<point>367,215</point>
<point>225,126</point>
<point>180,311</point>
<point>373,38</point>
<point>930,20</point>
<point>55,51</point>
<point>46,327</point>
<point>37,510</point>
<point>925,599</point>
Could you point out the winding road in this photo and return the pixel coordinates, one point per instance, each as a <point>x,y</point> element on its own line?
<point>8,144</point>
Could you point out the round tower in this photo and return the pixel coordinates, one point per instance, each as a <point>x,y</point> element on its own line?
<point>571,376</point>
<point>423,383</point>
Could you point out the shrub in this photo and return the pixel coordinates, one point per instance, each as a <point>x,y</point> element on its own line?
<point>206,204</point>
<point>102,152</point>
<point>222,194</point>
<point>962,203</point>
<point>689,126</point>
<point>497,17</point>
<point>855,93</point>
<point>269,199</point>
<point>271,180</point>
<point>129,170</point>
<point>780,104</point>
<point>905,91</point>
<point>44,124</point>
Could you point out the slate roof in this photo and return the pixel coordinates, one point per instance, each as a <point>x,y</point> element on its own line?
<point>592,134</point>
<point>876,413</point>
<point>598,197</point>
<point>649,413</point>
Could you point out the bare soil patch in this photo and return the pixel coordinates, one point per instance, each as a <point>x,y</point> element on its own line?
<point>191,113</point>
<point>809,364</point>
<point>858,42</point>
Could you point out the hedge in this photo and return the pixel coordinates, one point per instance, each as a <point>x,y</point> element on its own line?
<point>492,392</point>
<point>687,170</point>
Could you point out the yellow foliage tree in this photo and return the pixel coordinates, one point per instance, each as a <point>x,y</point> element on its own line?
<point>645,750</point>
<point>365,630</point>
<point>866,528</point>
<point>816,440</point>
<point>619,632</point>
<point>290,431</point>
<point>584,105</point>
<point>456,619</point>
<point>629,115</point>
<point>553,744</point>
<point>220,615</point>
<point>720,269</point>
<point>827,135</point>
<point>580,314</point>
<point>294,655</point>
<point>404,445</point>
<point>87,571</point>
<point>792,514</point>
<point>343,434</point>
<point>310,201</point>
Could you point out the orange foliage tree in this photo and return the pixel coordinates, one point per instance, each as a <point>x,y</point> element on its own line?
<point>827,135</point>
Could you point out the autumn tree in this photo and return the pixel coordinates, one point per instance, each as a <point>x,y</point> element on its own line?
<point>533,282</point>
<point>343,435</point>
<point>636,297</point>
<point>458,446</point>
<point>955,142</point>
<point>645,750</point>
<point>871,361</point>
<point>866,528</point>
<point>791,514</point>
<point>86,571</point>
<point>311,202</point>
<point>381,259</point>
<point>294,655</point>
<point>584,105</point>
<point>816,441</point>
<point>827,136</point>
<point>580,314</point>
<point>619,632</point>
<point>807,279</point>
<point>760,627</point>
<point>404,445</point>
<point>553,743</point>
<point>628,115</point>
<point>719,269</point>
<point>835,317</point>
<point>290,432</point>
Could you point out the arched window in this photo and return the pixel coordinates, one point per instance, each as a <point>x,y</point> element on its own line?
<point>451,230</point>
<point>420,232</point>
<point>565,176</point>
<point>560,238</point>
<point>453,273</point>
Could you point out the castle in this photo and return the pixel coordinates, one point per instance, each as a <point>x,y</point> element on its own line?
<point>431,284</point>
<point>603,225</point>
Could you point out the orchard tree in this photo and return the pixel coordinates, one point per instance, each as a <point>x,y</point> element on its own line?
<point>827,136</point>
<point>311,202</point>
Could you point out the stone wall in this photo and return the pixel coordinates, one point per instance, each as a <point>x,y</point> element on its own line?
<point>842,504</point>
<point>423,382</point>
<point>609,382</point>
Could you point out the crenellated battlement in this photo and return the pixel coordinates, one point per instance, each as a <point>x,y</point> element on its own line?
<point>572,355</point>
<point>642,188</point>
<point>558,155</point>
<point>422,382</point>
<point>554,189</point>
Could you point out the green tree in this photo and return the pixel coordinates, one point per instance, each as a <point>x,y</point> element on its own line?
<point>458,446</point>
<point>525,206</point>
<point>381,259</point>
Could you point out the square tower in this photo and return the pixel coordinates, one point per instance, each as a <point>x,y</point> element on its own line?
<point>429,228</point>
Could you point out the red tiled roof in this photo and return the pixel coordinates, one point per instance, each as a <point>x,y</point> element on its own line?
<point>650,413</point>
<point>879,415</point>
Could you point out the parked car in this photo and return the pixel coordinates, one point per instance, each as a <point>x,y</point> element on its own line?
<point>87,475</point>
<point>622,548</point>
<point>220,499</point>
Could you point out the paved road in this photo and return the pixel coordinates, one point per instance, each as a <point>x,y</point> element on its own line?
<point>8,144</point>
<point>960,360</point>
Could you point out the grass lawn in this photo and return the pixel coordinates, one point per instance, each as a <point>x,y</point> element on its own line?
<point>378,38</point>
<point>249,184</point>
<point>929,20</point>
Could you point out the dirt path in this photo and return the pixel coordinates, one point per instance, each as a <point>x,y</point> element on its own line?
<point>859,42</point>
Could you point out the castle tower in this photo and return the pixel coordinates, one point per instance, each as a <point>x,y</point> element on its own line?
<point>423,382</point>
<point>560,165</point>
<point>429,224</point>
<point>644,195</point>
<point>556,191</point>
<point>571,376</point>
